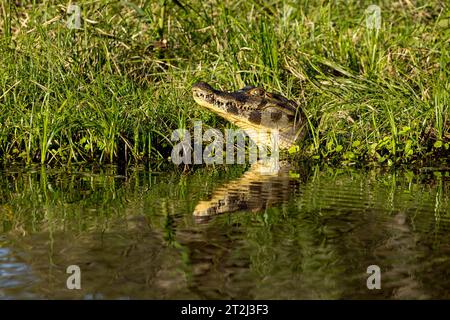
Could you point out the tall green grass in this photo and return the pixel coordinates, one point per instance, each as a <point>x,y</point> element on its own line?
<point>114,90</point>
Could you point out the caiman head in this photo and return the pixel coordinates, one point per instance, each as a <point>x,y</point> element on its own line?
<point>255,110</point>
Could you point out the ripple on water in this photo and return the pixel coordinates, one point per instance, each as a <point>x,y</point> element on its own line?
<point>134,235</point>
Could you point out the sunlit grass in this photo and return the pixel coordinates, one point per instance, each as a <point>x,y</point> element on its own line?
<point>115,89</point>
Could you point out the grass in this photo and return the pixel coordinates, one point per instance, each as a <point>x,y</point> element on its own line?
<point>115,89</point>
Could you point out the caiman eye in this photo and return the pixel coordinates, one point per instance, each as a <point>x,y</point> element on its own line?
<point>259,92</point>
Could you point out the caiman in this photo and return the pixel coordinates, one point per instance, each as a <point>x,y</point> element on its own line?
<point>255,110</point>
<point>258,113</point>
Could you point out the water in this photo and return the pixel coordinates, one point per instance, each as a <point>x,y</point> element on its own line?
<point>308,233</point>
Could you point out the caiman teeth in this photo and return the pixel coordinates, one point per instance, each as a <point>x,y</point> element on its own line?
<point>208,97</point>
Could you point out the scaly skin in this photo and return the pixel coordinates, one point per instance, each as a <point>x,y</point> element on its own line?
<point>255,111</point>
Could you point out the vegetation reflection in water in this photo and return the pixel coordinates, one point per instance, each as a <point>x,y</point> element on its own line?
<point>134,236</point>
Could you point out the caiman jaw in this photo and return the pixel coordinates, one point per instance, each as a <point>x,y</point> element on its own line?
<point>254,110</point>
<point>223,104</point>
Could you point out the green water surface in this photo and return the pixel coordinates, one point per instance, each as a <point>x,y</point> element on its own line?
<point>133,235</point>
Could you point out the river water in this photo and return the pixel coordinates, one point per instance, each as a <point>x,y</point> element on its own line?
<point>308,234</point>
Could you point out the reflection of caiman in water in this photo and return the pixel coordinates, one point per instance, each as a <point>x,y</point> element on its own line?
<point>258,113</point>
<point>254,191</point>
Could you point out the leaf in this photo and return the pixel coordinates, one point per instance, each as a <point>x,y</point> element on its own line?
<point>135,7</point>
<point>404,130</point>
<point>408,149</point>
<point>294,175</point>
<point>349,155</point>
<point>438,144</point>
<point>330,145</point>
<point>293,149</point>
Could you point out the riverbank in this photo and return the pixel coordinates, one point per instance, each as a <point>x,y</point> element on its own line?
<point>113,88</point>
